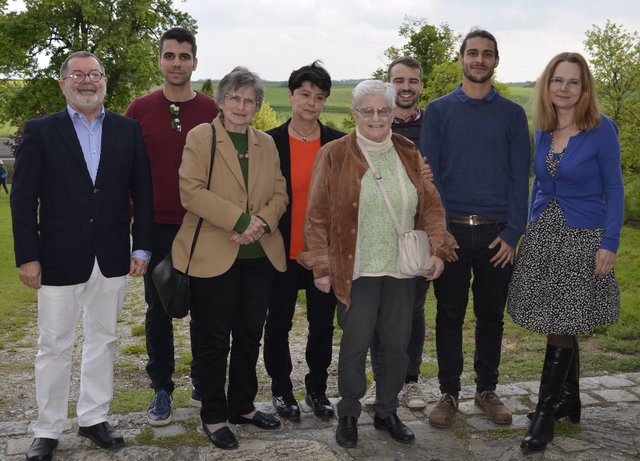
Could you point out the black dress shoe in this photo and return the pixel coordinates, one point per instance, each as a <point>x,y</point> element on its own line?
<point>347,432</point>
<point>320,405</point>
<point>102,434</point>
<point>41,449</point>
<point>398,430</point>
<point>222,438</point>
<point>287,407</point>
<point>260,419</point>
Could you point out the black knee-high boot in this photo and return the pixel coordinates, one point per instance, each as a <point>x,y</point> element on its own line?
<point>554,372</point>
<point>570,405</point>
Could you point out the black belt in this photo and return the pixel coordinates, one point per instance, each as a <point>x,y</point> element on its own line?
<point>473,220</point>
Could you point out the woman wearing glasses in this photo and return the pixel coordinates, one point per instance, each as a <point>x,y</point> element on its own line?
<point>563,282</point>
<point>238,250</point>
<point>351,246</point>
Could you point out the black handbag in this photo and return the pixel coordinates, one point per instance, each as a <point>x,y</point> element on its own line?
<point>171,284</point>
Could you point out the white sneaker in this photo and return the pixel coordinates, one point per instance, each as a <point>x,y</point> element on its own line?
<point>370,396</point>
<point>414,397</point>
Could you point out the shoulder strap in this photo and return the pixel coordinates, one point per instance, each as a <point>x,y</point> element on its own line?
<point>195,235</point>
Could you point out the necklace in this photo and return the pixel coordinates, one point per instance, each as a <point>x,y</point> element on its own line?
<point>304,136</point>
<point>560,128</point>
<point>242,156</point>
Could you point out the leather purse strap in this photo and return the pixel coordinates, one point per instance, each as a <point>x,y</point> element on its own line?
<point>195,235</point>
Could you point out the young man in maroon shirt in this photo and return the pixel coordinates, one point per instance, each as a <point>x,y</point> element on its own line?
<point>166,116</point>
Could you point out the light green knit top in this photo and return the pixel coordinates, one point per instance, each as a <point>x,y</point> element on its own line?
<point>377,245</point>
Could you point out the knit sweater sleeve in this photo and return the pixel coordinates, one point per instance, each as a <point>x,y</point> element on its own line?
<point>611,173</point>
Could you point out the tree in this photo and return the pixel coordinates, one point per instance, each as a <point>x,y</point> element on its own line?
<point>614,54</point>
<point>444,78</point>
<point>427,43</point>
<point>124,34</point>
<point>615,58</point>
<point>207,87</point>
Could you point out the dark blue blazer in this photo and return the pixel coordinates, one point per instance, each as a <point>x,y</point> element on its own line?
<point>63,220</point>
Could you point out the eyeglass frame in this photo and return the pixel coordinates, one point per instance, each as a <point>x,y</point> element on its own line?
<point>572,83</point>
<point>383,112</point>
<point>75,76</point>
<point>236,100</point>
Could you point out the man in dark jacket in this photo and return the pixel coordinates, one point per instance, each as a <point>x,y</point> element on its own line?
<point>72,244</point>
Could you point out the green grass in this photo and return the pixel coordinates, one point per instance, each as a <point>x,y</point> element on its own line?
<point>336,109</point>
<point>17,309</point>
<point>134,349</point>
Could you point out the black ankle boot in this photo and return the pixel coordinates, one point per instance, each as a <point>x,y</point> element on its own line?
<point>570,405</point>
<point>554,373</point>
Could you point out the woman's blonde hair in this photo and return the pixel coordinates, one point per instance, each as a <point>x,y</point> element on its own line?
<point>587,110</point>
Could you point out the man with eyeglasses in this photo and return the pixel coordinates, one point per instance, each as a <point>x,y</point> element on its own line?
<point>72,244</point>
<point>477,143</point>
<point>166,116</point>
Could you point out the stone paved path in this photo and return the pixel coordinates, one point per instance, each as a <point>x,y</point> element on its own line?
<point>609,430</point>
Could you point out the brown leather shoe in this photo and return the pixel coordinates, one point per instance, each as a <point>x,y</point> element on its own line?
<point>442,415</point>
<point>493,408</point>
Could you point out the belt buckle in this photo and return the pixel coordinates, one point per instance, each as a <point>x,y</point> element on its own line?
<point>474,220</point>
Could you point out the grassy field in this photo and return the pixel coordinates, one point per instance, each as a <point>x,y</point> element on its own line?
<point>336,109</point>
<point>523,96</point>
<point>339,102</point>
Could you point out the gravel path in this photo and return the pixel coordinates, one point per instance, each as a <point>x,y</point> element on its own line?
<point>17,401</point>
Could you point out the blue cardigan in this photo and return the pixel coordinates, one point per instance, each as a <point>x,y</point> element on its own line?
<point>587,184</point>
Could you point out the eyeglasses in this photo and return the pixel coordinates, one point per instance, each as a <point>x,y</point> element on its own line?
<point>369,112</point>
<point>78,76</point>
<point>572,84</point>
<point>237,100</point>
<point>174,109</point>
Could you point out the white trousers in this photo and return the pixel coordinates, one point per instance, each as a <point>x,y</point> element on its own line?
<point>100,300</point>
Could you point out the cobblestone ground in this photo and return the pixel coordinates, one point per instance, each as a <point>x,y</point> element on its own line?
<point>609,430</point>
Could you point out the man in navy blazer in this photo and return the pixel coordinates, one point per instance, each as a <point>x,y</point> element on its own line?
<point>75,174</point>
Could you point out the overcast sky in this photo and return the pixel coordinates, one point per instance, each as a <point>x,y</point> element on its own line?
<point>273,37</point>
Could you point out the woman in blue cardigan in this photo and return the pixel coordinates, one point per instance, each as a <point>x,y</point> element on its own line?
<point>563,281</point>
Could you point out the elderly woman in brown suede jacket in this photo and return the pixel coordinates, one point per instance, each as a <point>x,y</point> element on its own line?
<point>351,246</point>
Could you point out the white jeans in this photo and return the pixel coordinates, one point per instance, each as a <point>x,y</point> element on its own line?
<point>100,299</point>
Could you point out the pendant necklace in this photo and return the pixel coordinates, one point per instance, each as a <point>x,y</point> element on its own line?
<point>303,136</point>
<point>242,156</point>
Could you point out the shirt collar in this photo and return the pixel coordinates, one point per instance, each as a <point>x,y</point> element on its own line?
<point>74,113</point>
<point>411,118</point>
<point>462,96</point>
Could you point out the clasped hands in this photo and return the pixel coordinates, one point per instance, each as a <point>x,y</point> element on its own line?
<point>251,234</point>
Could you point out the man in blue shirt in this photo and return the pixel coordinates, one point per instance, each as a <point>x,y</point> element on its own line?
<point>478,146</point>
<point>72,244</point>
